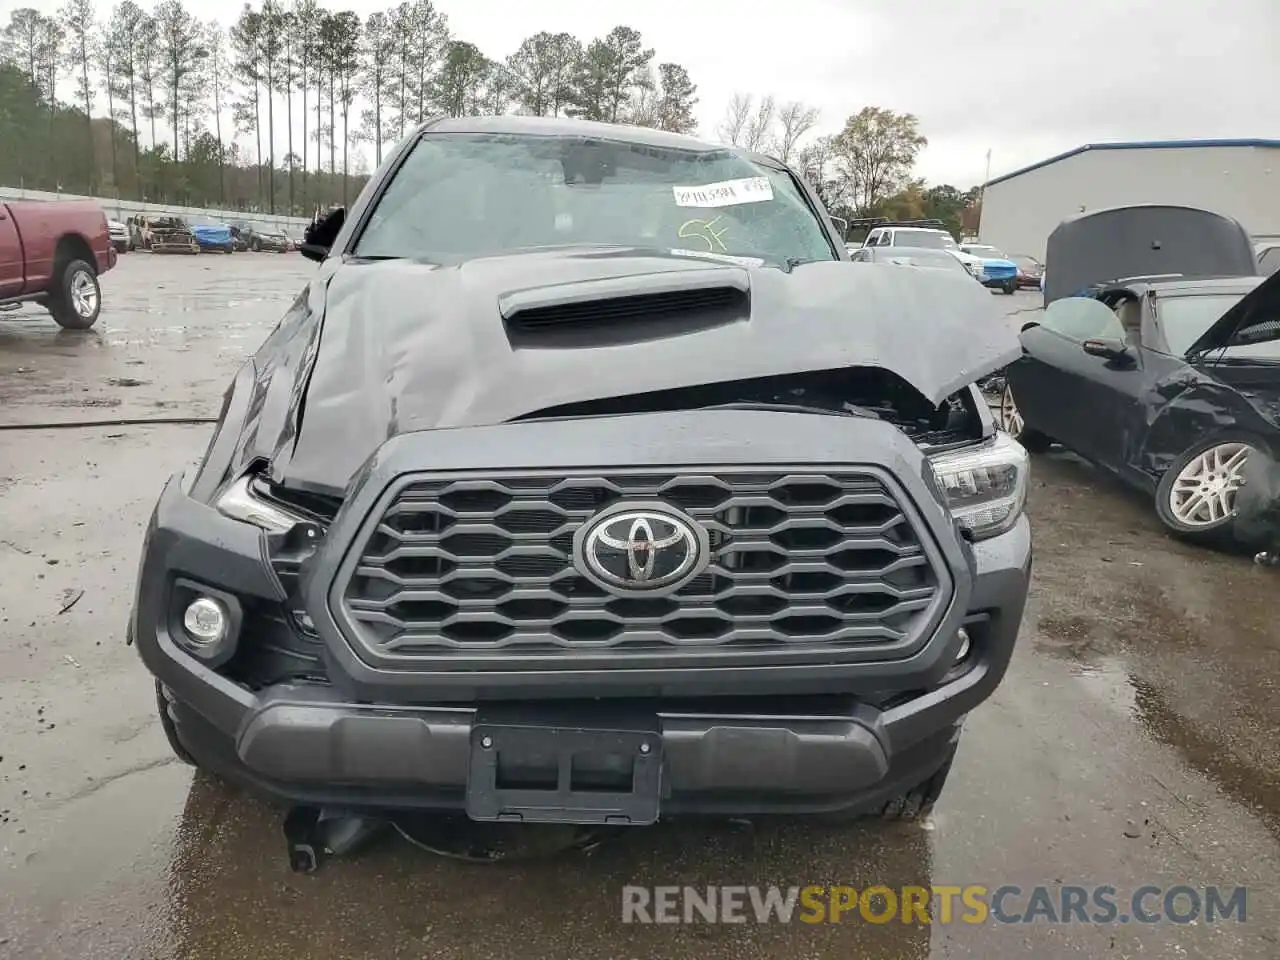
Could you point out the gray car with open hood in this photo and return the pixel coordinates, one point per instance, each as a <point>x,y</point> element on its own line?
<point>586,482</point>
<point>1160,364</point>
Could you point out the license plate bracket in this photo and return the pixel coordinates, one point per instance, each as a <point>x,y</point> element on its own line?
<point>536,772</point>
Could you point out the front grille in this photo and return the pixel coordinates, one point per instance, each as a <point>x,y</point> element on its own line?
<point>480,566</point>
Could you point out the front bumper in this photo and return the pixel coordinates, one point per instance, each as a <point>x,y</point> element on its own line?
<point>845,734</point>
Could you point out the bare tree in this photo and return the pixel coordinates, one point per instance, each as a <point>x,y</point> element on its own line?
<point>122,70</point>
<point>286,77</point>
<point>51,47</point>
<point>247,65</point>
<point>269,43</point>
<point>346,71</point>
<point>759,133</point>
<point>217,45</point>
<point>105,61</point>
<point>500,89</point>
<point>429,35</point>
<point>147,38</point>
<point>378,49</point>
<point>306,35</point>
<point>182,50</point>
<point>642,107</point>
<point>795,120</point>
<point>193,95</point>
<point>737,116</point>
<point>78,20</point>
<point>398,96</point>
<point>322,74</point>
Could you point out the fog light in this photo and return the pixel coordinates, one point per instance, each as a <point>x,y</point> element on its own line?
<point>205,621</point>
<point>964,645</point>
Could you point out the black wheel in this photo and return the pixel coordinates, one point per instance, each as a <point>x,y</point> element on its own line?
<point>76,301</point>
<point>256,246</point>
<point>1196,496</point>
<point>170,728</point>
<point>1011,287</point>
<point>1011,422</point>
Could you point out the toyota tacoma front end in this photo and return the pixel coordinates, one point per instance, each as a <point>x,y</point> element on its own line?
<point>600,531</point>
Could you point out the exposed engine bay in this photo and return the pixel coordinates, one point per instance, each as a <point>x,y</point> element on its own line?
<point>861,392</point>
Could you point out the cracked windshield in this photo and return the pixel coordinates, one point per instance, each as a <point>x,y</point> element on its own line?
<point>554,482</point>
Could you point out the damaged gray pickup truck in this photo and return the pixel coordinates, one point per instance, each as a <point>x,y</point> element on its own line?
<point>588,481</point>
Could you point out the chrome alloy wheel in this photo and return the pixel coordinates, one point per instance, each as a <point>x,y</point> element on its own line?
<point>1010,418</point>
<point>84,294</point>
<point>1204,492</point>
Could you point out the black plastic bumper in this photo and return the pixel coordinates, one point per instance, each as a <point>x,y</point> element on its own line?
<point>312,744</point>
<point>842,730</point>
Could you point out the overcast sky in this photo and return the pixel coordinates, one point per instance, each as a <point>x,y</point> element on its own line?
<point>1023,78</point>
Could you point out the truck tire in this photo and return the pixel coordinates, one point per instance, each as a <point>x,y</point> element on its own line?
<point>919,800</point>
<point>76,300</point>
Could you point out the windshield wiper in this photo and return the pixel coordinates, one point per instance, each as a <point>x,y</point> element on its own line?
<point>792,262</point>
<point>846,410</point>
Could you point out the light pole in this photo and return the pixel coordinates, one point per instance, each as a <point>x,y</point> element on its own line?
<point>982,194</point>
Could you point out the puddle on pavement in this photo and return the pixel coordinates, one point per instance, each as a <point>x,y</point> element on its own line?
<point>1182,639</point>
<point>1258,789</point>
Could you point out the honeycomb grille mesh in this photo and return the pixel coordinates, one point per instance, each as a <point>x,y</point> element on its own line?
<point>481,566</point>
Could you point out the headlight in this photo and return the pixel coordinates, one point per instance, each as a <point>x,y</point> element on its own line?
<point>986,486</point>
<point>239,502</point>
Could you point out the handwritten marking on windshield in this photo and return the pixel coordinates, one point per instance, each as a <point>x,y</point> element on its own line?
<point>704,230</point>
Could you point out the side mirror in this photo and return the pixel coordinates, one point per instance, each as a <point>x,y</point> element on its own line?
<point>321,233</point>
<point>842,225</point>
<point>1116,351</point>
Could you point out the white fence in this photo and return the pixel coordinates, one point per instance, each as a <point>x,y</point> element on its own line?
<point>117,209</point>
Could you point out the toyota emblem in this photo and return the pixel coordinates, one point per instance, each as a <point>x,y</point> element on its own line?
<point>642,549</point>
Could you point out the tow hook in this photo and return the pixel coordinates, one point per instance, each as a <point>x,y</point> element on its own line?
<point>314,833</point>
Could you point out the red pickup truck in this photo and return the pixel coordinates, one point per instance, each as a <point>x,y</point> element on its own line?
<point>51,253</point>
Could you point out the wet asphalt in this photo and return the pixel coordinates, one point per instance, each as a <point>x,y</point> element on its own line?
<point>1133,742</point>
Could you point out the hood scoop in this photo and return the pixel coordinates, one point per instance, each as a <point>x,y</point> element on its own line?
<point>626,309</point>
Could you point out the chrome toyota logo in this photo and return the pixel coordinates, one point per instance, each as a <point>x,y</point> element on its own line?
<point>641,549</point>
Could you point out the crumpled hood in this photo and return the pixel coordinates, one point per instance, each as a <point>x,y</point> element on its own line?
<point>407,346</point>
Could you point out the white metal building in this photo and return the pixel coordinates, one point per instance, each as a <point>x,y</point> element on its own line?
<point>1238,178</point>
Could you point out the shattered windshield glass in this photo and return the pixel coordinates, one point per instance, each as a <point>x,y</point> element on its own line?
<point>459,196</point>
